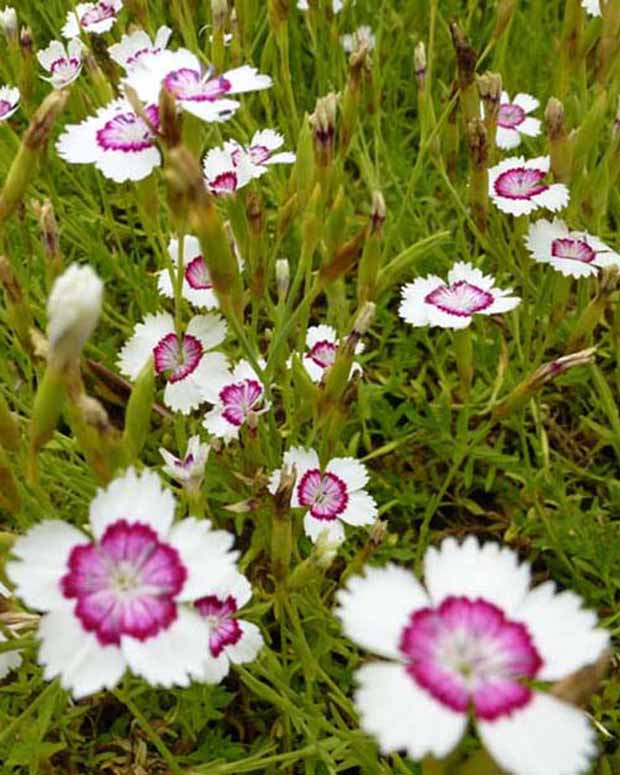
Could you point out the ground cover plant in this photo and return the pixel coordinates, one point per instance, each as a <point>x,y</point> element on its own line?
<point>309,428</point>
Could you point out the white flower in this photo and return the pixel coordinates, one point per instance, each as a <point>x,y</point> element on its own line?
<point>260,152</point>
<point>122,596</point>
<point>322,344</point>
<point>98,17</point>
<point>137,47</point>
<point>197,285</point>
<point>516,186</point>
<point>330,495</point>
<point>9,660</point>
<point>593,7</point>
<point>513,121</point>
<point>196,90</point>
<point>429,301</point>
<point>188,471</point>
<point>73,310</point>
<point>472,642</point>
<point>116,140</point>
<point>8,21</point>
<point>224,174</point>
<point>237,397</point>
<point>185,364</point>
<point>9,101</point>
<point>230,639</point>
<point>363,36</point>
<point>573,253</point>
<point>64,64</point>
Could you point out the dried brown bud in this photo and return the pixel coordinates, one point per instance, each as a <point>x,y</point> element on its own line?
<point>41,124</point>
<point>465,56</point>
<point>477,142</point>
<point>490,89</point>
<point>554,119</point>
<point>169,127</point>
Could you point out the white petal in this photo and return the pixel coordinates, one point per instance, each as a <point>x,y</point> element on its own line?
<point>546,736</point>
<point>314,527</point>
<point>267,138</point>
<point>564,633</point>
<point>361,509</point>
<point>375,608</point>
<point>514,206</point>
<point>139,348</point>
<point>68,651</point>
<point>246,78</point>
<point>213,112</point>
<point>402,716</point>
<point>77,143</point>
<point>555,198</point>
<point>51,54</point>
<point>286,157</point>
<point>437,317</point>
<point>42,555</point>
<point>507,138</point>
<point>413,307</point>
<point>183,396</point>
<point>173,656</point>
<point>468,569</point>
<point>210,329</point>
<point>315,372</point>
<point>538,163</point>
<point>135,498</point>
<point>571,268</point>
<point>218,426</point>
<point>9,660</point>
<point>121,166</point>
<point>526,101</point>
<point>464,271</point>
<point>206,554</point>
<point>501,304</point>
<point>322,333</point>
<point>541,236</point>
<point>213,669</point>
<point>353,473</point>
<point>530,127</point>
<point>248,645</point>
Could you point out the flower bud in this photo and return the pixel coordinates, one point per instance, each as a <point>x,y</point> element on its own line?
<point>73,310</point>
<point>419,63</point>
<point>8,23</point>
<point>283,278</point>
<point>188,471</point>
<point>49,236</point>
<point>466,66</point>
<point>505,11</point>
<point>560,146</point>
<point>323,123</point>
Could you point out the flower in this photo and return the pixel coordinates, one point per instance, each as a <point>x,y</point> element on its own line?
<point>97,18</point>
<point>237,397</point>
<point>116,140</point>
<point>64,64</point>
<point>197,285</point>
<point>122,596</point>
<point>337,5</point>
<point>330,495</point>
<point>225,174</point>
<point>516,186</point>
<point>198,91</point>
<point>429,301</point>
<point>513,121</point>
<point>9,101</point>
<point>230,639</point>
<point>573,253</point>
<point>593,7</point>
<point>363,36</point>
<point>138,46</point>
<point>322,343</point>
<point>472,641</point>
<point>73,310</point>
<point>185,365</point>
<point>8,21</point>
<point>260,151</point>
<point>9,660</point>
<point>189,470</point>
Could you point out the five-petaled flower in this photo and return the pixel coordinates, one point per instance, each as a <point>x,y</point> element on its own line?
<point>196,90</point>
<point>363,36</point>
<point>573,253</point>
<point>189,470</point>
<point>138,47</point>
<point>517,186</point>
<point>9,101</point>
<point>63,64</point>
<point>322,344</point>
<point>116,140</point>
<point>224,173</point>
<point>429,301</point>
<point>260,153</point>
<point>184,362</point>
<point>231,640</point>
<point>98,17</point>
<point>329,495</point>
<point>125,595</point>
<point>513,120</point>
<point>238,399</point>
<point>472,642</point>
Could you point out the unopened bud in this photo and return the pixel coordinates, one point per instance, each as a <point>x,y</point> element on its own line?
<point>616,124</point>
<point>419,61</point>
<point>326,549</point>
<point>169,127</point>
<point>549,371</point>
<point>73,310</point>
<point>284,491</point>
<point>219,13</point>
<point>465,55</point>
<point>363,320</point>
<point>8,23</point>
<point>283,278</point>
<point>554,119</point>
<point>25,41</point>
<point>49,235</point>
<point>560,144</point>
<point>377,214</point>
<point>323,123</point>
<point>40,127</point>
<point>505,11</point>
<point>490,89</point>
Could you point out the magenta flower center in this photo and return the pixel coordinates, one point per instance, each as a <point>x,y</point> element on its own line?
<point>223,629</point>
<point>461,299</point>
<point>510,116</point>
<point>5,108</point>
<point>64,69</point>
<point>466,653</point>
<point>177,360</point>
<point>99,13</point>
<point>259,154</point>
<point>520,183</point>
<point>224,183</point>
<point>323,353</point>
<point>128,132</point>
<point>197,275</point>
<point>124,584</point>
<point>189,85</point>
<point>239,400</point>
<point>325,494</point>
<point>573,249</point>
